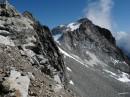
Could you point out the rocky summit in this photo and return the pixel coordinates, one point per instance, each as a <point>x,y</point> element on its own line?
<point>30,62</point>
<point>95,65</point>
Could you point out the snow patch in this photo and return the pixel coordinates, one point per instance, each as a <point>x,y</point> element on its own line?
<point>71,82</point>
<point>112,74</point>
<point>68,69</point>
<point>115,61</point>
<point>124,93</point>
<point>73,26</point>
<point>124,77</point>
<point>57,37</point>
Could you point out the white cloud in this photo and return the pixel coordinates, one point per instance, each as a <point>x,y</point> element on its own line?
<point>123,41</point>
<point>100,13</point>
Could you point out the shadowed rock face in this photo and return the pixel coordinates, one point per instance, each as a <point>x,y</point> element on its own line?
<point>107,34</point>
<point>45,45</point>
<point>48,48</point>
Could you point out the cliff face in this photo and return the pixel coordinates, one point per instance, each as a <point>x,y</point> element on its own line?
<point>30,62</point>
<point>97,64</point>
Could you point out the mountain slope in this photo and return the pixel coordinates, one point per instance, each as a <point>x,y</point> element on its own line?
<point>30,62</point>
<point>98,67</point>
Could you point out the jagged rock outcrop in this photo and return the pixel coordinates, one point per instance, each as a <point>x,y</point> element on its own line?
<point>30,62</point>
<point>8,10</point>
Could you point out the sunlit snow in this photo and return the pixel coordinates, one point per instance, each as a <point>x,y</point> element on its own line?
<point>56,37</point>
<point>123,77</point>
<point>68,55</point>
<point>73,26</point>
<point>68,69</point>
<point>71,82</point>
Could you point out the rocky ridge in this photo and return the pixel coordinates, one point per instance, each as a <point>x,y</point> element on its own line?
<point>30,62</point>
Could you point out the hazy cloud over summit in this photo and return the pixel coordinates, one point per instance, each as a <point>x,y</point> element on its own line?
<point>123,40</point>
<point>100,12</point>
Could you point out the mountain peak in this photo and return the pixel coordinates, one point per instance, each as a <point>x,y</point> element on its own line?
<point>82,20</point>
<point>82,24</point>
<point>90,47</point>
<point>83,34</point>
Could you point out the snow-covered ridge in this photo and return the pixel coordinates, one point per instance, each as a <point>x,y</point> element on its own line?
<point>73,26</point>
<point>58,32</point>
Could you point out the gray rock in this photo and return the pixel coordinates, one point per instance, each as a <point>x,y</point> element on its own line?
<point>28,48</point>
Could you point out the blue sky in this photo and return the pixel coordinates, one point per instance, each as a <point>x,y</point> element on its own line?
<point>55,12</point>
<point>121,14</point>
